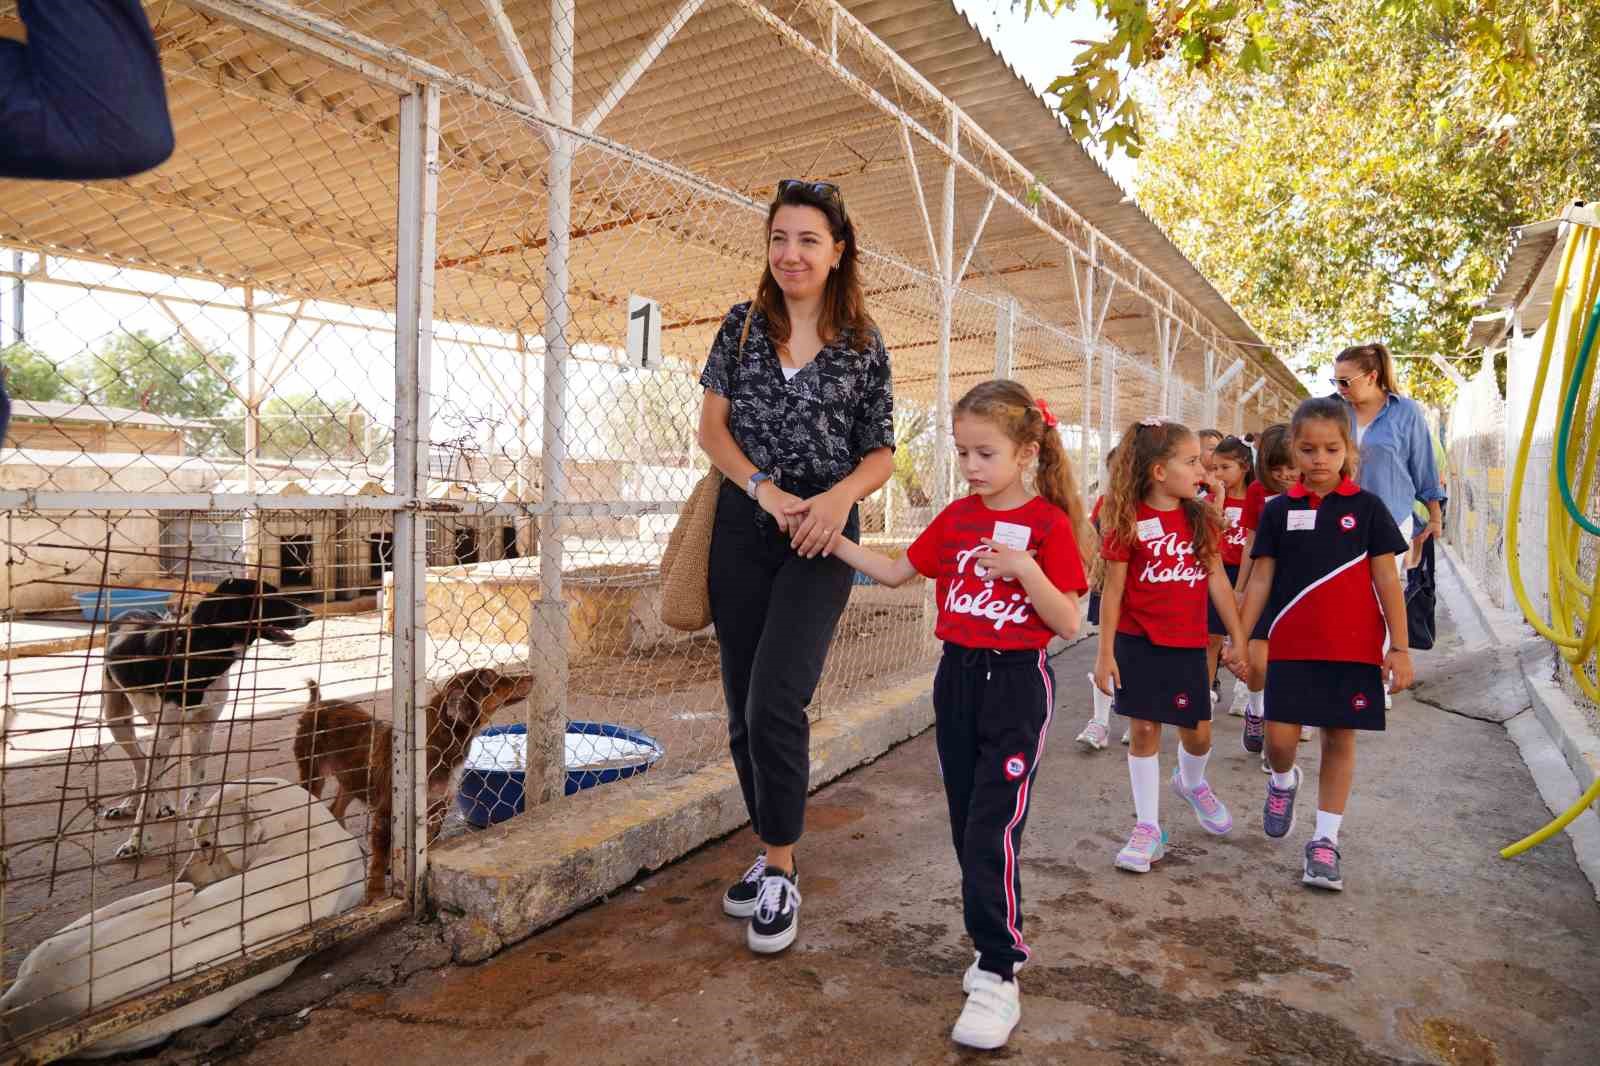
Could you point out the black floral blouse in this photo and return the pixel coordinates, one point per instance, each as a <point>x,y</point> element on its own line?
<point>812,431</point>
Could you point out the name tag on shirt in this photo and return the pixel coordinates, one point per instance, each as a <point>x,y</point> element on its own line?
<point>1012,535</point>
<point>1150,529</point>
<point>1301,520</point>
<point>1232,515</point>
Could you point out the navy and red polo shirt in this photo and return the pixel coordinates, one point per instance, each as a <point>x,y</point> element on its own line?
<point>1323,605</point>
<point>977,609</point>
<point>1233,530</point>
<point>1165,594</point>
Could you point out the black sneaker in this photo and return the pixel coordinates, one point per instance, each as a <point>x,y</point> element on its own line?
<point>740,899</point>
<point>776,921</point>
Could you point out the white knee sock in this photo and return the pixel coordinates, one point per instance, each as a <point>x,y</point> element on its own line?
<point>1328,826</point>
<point>1258,703</point>
<point>1102,704</point>
<point>1191,768</point>
<point>1145,773</point>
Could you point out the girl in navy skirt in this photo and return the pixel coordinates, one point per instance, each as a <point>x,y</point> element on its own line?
<point>1230,470</point>
<point>1008,567</point>
<point>1275,472</point>
<point>1096,732</point>
<point>1325,584</point>
<point>1161,565</point>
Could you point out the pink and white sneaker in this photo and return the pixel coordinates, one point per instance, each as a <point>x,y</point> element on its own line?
<point>1147,845</point>
<point>1212,813</point>
<point>1094,736</point>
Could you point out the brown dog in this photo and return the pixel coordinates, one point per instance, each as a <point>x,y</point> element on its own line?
<point>341,740</point>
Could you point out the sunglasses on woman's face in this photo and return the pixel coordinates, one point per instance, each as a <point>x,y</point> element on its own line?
<point>1345,383</point>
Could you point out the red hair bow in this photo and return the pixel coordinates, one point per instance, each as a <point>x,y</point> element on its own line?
<point>1050,421</point>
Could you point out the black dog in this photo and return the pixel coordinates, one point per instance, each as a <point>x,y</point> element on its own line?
<point>173,673</point>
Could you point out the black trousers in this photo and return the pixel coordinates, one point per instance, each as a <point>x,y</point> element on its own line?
<point>775,614</point>
<point>991,711</point>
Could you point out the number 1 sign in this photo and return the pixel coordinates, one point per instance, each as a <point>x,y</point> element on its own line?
<point>644,333</point>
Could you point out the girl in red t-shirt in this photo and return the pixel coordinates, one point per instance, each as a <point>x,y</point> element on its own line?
<point>1275,472</point>
<point>1231,470</point>
<point>1008,567</point>
<point>1161,566</point>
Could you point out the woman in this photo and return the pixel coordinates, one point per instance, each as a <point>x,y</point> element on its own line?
<point>798,415</point>
<point>1397,463</point>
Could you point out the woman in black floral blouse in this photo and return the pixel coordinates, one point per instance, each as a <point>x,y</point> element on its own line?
<point>798,415</point>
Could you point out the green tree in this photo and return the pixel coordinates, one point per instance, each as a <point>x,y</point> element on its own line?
<point>914,441</point>
<point>167,377</point>
<point>32,375</point>
<point>650,419</point>
<point>1363,187</point>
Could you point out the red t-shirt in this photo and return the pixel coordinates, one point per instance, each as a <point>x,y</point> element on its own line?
<point>1164,598</point>
<point>1233,531</point>
<point>980,611</point>
<point>1255,498</point>
<point>1094,514</point>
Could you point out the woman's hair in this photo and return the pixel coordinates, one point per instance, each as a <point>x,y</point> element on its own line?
<point>1370,357</point>
<point>1237,450</point>
<point>1210,434</point>
<point>1272,450</point>
<point>1011,407</point>
<point>1141,448</point>
<point>844,306</point>
<point>1327,409</point>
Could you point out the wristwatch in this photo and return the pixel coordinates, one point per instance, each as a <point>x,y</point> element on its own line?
<point>755,482</point>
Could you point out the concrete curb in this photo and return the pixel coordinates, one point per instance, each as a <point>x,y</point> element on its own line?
<point>494,888</point>
<point>1565,726</point>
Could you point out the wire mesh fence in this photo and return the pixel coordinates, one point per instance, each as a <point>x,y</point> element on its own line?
<point>376,406</point>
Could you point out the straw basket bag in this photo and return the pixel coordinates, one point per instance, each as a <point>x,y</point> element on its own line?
<point>686,564</point>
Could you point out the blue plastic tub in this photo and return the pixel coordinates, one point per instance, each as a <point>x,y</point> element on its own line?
<point>492,778</point>
<point>107,605</point>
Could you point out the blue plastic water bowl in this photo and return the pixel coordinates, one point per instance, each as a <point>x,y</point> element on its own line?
<point>492,778</point>
<point>107,605</point>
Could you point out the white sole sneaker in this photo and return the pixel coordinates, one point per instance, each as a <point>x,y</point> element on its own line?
<point>991,1013</point>
<point>771,945</point>
<point>971,974</point>
<point>737,908</point>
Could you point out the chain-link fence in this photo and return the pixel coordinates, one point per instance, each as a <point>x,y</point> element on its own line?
<point>379,399</point>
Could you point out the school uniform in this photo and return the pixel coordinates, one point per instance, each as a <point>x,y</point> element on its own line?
<point>1232,552</point>
<point>1325,627</point>
<point>1255,501</point>
<point>1094,593</point>
<point>993,697</point>
<point>1161,633</point>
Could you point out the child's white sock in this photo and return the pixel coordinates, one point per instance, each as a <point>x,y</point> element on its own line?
<point>1258,703</point>
<point>1328,826</point>
<point>1283,780</point>
<point>1102,704</point>
<point>1192,768</point>
<point>1145,773</point>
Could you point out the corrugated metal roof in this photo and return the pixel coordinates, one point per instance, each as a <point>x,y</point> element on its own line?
<point>58,411</point>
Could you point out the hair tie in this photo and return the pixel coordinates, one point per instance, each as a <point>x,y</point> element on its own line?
<point>1050,421</point>
<point>1151,421</point>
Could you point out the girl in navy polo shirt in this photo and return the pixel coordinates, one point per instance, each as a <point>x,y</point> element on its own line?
<point>1275,472</point>
<point>1162,564</point>
<point>1325,584</point>
<point>1008,567</point>
<point>1231,468</point>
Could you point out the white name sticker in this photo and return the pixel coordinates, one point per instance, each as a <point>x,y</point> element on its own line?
<point>1301,520</point>
<point>1232,515</point>
<point>1150,529</point>
<point>1012,535</point>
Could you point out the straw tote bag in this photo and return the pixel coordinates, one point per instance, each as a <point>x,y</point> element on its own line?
<point>686,564</point>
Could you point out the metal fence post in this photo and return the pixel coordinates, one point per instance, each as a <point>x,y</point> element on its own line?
<point>418,217</point>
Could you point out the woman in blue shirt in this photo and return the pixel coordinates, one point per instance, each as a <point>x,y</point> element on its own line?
<point>1397,461</point>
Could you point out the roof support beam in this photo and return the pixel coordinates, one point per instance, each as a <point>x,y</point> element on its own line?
<point>1227,376</point>
<point>511,45</point>
<point>619,88</point>
<point>922,200</point>
<point>1252,390</point>
<point>977,235</point>
<point>1449,371</point>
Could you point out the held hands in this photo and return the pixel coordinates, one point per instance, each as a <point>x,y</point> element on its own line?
<point>1107,678</point>
<point>779,505</point>
<point>1006,562</point>
<point>1397,668</point>
<point>815,526</point>
<point>1234,659</point>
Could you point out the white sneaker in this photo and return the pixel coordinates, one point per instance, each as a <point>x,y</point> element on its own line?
<point>1127,735</point>
<point>1388,700</point>
<point>1306,733</point>
<point>993,1009</point>
<point>1094,736</point>
<point>1240,700</point>
<point>972,973</point>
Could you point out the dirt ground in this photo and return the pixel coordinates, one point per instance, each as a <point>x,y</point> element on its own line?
<point>1438,951</point>
<point>61,770</point>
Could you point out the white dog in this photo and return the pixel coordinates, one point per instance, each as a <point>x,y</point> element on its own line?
<point>268,860</point>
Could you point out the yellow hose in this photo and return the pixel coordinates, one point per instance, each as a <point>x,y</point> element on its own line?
<point>1570,593</point>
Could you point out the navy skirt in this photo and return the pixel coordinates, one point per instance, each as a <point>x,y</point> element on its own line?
<point>1326,695</point>
<point>1162,684</point>
<point>1214,624</point>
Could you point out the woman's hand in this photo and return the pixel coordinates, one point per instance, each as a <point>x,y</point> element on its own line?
<point>817,523</point>
<point>779,504</point>
<point>1397,667</point>
<point>1432,529</point>
<point>1007,562</point>
<point>1107,678</point>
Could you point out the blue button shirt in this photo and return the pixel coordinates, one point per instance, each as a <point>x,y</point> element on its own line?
<point>1397,463</point>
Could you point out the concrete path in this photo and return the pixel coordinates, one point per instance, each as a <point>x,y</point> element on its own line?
<point>1437,952</point>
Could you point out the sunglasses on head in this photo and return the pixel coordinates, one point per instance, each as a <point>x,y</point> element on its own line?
<point>823,190</point>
